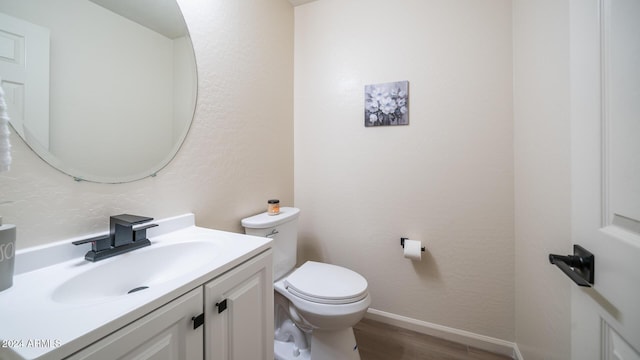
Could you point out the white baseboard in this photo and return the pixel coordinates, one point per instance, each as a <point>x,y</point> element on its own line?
<point>460,336</point>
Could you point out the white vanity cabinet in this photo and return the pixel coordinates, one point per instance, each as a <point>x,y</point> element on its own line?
<point>239,313</point>
<point>62,307</point>
<point>166,333</point>
<point>228,318</point>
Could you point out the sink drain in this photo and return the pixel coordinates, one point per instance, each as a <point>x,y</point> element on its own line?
<point>137,289</point>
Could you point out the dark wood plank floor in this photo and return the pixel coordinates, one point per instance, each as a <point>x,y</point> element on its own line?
<point>378,341</point>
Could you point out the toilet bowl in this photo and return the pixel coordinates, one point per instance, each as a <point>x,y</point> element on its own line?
<point>326,296</point>
<point>316,304</point>
<point>323,308</point>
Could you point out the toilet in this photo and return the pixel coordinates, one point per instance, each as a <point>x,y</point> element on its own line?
<point>315,305</point>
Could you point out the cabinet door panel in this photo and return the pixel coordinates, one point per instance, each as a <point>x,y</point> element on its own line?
<point>164,334</point>
<point>244,329</point>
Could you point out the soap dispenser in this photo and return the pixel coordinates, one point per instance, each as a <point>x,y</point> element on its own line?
<point>7,254</point>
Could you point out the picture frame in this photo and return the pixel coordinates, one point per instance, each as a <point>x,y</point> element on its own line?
<point>386,104</point>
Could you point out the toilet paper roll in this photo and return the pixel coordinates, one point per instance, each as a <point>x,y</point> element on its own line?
<point>413,250</point>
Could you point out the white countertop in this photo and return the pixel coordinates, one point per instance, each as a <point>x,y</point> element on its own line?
<point>33,325</point>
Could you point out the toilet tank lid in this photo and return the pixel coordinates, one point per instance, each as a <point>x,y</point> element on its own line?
<point>264,220</point>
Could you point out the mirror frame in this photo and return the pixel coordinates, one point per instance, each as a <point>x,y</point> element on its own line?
<point>149,171</point>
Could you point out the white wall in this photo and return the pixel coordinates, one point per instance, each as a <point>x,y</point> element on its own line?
<point>542,176</point>
<point>238,154</point>
<point>446,179</point>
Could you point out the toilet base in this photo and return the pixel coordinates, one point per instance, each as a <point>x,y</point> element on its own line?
<point>331,345</point>
<point>287,350</point>
<point>325,345</point>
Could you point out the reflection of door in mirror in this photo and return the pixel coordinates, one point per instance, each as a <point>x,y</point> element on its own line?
<point>24,76</point>
<point>122,85</point>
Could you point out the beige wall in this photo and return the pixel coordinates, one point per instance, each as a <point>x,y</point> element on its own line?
<point>446,179</point>
<point>238,154</point>
<point>542,176</point>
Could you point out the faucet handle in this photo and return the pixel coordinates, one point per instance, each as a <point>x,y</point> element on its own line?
<point>98,243</point>
<point>140,232</point>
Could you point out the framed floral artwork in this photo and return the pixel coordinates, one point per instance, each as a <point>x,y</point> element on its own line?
<point>386,104</point>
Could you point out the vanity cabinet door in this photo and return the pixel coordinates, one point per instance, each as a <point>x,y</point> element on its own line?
<point>239,312</point>
<point>166,333</point>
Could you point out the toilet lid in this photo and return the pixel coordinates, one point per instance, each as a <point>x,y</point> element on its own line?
<point>326,283</point>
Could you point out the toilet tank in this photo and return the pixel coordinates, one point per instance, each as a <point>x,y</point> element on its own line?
<point>283,229</point>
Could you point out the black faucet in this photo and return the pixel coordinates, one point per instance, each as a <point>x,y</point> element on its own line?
<point>124,236</point>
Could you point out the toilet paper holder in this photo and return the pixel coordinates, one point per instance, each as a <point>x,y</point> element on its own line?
<point>402,239</point>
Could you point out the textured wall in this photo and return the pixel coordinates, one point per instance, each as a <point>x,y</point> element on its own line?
<point>447,178</point>
<point>542,176</point>
<point>239,151</point>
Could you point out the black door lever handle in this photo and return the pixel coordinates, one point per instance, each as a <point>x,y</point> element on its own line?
<point>579,266</point>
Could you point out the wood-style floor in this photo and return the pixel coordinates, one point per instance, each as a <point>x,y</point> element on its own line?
<point>378,341</point>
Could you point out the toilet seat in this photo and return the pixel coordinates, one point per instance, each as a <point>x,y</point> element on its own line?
<point>326,284</point>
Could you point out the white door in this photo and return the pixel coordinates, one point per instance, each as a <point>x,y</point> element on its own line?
<point>24,77</point>
<point>605,111</point>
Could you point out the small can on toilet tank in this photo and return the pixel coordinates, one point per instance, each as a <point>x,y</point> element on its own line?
<point>273,207</point>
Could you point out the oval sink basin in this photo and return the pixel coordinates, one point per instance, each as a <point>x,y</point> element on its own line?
<point>135,271</point>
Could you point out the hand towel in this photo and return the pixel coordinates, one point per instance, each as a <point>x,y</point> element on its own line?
<point>5,145</point>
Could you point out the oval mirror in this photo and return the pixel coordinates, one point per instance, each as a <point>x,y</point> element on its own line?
<point>103,90</point>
